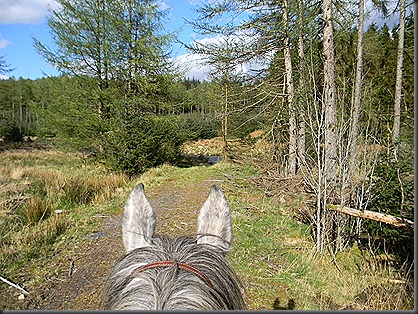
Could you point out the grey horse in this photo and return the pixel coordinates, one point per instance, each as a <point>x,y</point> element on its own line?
<point>161,273</point>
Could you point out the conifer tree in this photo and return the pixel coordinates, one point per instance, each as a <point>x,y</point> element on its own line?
<point>108,40</point>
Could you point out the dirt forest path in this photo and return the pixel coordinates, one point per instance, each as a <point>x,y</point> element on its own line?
<point>177,207</point>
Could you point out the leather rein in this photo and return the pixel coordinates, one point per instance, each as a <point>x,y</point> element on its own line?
<point>184,266</point>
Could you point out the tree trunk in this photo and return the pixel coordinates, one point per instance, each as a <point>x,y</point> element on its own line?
<point>21,128</point>
<point>357,93</point>
<point>225,119</point>
<point>398,86</point>
<point>330,148</point>
<point>326,180</point>
<point>99,43</point>
<point>302,100</point>
<point>291,167</point>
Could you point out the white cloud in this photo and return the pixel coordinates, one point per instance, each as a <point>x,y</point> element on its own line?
<point>25,11</point>
<point>3,43</point>
<point>191,65</point>
<point>162,5</point>
<point>210,40</point>
<point>194,2</point>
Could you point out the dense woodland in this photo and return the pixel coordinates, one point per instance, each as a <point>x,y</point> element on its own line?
<point>335,98</point>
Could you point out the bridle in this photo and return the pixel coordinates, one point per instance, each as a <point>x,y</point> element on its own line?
<point>174,264</point>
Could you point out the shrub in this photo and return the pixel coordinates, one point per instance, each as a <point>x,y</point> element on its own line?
<point>144,141</point>
<point>197,126</point>
<point>11,132</point>
<point>393,193</point>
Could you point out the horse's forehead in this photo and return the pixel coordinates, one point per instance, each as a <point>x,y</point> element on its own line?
<point>166,247</point>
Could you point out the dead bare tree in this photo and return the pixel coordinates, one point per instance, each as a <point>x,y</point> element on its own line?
<point>290,92</point>
<point>357,91</point>
<point>398,85</point>
<point>301,140</point>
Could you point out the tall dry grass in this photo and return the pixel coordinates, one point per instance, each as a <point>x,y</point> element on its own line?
<point>87,190</point>
<point>34,188</point>
<point>36,209</point>
<point>349,283</point>
<point>75,189</point>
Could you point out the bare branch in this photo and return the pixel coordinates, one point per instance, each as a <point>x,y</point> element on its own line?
<point>368,214</point>
<point>13,285</point>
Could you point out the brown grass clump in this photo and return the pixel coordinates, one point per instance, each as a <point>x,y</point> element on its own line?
<point>17,173</point>
<point>390,295</point>
<point>78,190</point>
<point>36,209</point>
<point>107,185</point>
<point>86,190</point>
<point>43,233</point>
<point>256,133</point>
<point>46,182</point>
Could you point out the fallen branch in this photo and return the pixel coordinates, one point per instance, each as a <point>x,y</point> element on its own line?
<point>367,214</point>
<point>396,281</point>
<point>13,285</point>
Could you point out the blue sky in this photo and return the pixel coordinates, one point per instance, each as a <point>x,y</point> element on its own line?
<point>20,20</point>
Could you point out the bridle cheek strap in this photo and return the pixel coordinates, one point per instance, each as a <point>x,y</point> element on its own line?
<point>195,271</point>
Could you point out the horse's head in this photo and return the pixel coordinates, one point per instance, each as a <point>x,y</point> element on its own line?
<point>184,273</point>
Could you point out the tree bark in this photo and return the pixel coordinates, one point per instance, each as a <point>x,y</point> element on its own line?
<point>357,93</point>
<point>301,104</point>
<point>291,167</point>
<point>398,86</point>
<point>330,149</point>
<point>225,117</point>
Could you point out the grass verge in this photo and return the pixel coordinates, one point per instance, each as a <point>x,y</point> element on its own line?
<point>48,200</point>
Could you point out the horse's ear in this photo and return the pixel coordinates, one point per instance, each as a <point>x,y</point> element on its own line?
<point>214,225</point>
<point>138,222</point>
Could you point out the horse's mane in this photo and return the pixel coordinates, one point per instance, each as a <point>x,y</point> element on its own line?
<point>171,287</point>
